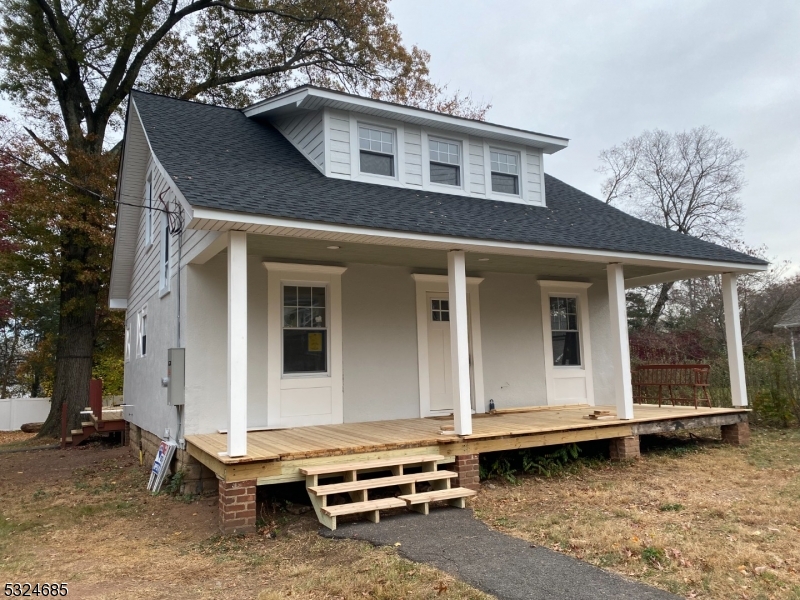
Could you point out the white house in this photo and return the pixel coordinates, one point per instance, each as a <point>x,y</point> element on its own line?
<point>326,260</point>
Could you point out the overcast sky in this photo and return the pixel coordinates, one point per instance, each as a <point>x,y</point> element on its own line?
<point>599,73</point>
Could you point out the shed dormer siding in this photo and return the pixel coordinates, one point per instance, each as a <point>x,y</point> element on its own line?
<point>328,137</point>
<point>306,132</point>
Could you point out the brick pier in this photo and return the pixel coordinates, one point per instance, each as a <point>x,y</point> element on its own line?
<point>237,506</point>
<point>468,471</point>
<point>625,448</point>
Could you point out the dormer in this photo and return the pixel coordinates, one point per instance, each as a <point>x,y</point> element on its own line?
<point>361,139</point>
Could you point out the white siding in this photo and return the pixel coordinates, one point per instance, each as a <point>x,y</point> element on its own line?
<point>339,136</point>
<point>305,132</point>
<point>534,177</point>
<point>477,172</point>
<point>413,156</point>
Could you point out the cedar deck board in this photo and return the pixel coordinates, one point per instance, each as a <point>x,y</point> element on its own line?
<point>353,439</point>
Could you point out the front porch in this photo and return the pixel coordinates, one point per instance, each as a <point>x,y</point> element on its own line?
<point>276,456</point>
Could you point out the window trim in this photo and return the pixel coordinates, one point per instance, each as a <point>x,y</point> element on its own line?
<point>327,329</point>
<point>141,319</point>
<point>127,342</point>
<point>164,263</point>
<point>520,156</point>
<point>426,149</point>
<point>395,150</point>
<point>578,329</point>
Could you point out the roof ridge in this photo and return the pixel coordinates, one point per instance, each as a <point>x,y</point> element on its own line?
<point>195,102</point>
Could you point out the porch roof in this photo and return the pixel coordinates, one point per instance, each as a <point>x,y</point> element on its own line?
<point>221,159</point>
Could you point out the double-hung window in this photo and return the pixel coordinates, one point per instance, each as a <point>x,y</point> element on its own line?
<point>148,205</point>
<point>564,327</point>
<point>445,163</point>
<point>305,329</point>
<point>505,172</point>
<point>127,342</point>
<point>165,248</point>
<point>376,148</point>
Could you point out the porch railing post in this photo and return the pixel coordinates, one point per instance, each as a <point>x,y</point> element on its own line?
<point>733,339</point>
<point>459,342</point>
<point>237,343</point>
<point>620,350</point>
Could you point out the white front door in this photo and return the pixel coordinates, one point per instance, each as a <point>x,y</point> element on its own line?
<point>439,363</point>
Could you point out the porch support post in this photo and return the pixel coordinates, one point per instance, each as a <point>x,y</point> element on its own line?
<point>733,338</point>
<point>620,350</point>
<point>459,342</point>
<point>237,343</point>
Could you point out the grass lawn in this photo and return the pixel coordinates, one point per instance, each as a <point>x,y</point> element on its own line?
<point>82,516</point>
<point>700,519</point>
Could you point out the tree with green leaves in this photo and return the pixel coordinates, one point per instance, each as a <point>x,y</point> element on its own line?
<point>69,65</point>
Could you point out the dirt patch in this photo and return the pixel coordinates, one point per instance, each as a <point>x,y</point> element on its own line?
<point>700,519</point>
<point>82,516</point>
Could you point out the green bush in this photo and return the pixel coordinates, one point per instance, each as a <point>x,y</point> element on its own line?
<point>507,465</point>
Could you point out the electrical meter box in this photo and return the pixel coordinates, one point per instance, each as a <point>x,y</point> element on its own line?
<point>176,376</point>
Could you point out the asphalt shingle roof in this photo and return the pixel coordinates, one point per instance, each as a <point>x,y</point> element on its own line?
<point>221,159</point>
<point>791,318</point>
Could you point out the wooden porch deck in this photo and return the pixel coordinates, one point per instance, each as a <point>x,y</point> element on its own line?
<point>274,456</point>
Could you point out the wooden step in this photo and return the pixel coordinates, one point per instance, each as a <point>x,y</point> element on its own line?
<point>438,495</point>
<point>378,482</point>
<point>87,424</point>
<point>360,507</point>
<point>370,464</point>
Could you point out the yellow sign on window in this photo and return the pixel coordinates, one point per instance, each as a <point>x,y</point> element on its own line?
<point>315,342</point>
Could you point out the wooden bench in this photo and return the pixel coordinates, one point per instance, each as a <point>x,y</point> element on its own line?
<point>678,384</point>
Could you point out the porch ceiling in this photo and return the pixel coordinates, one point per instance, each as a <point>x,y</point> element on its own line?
<point>304,250</point>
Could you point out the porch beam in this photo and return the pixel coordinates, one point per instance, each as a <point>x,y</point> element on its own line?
<point>733,339</point>
<point>459,341</point>
<point>237,343</point>
<point>620,350</point>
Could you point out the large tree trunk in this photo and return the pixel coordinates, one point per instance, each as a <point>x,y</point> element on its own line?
<point>658,308</point>
<point>76,336</point>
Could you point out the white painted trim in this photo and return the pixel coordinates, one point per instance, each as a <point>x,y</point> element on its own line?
<point>438,283</point>
<point>620,347</point>
<point>426,278</point>
<point>206,249</point>
<point>571,289</point>
<point>677,275</point>
<point>277,382</point>
<point>294,99</point>
<point>304,268</point>
<point>118,303</point>
<point>140,316</point>
<point>397,131</point>
<point>733,339</point>
<point>459,341</point>
<point>164,266</point>
<point>237,343</point>
<point>425,158</point>
<point>212,218</point>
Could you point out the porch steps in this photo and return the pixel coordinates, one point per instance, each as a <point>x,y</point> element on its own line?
<point>358,488</point>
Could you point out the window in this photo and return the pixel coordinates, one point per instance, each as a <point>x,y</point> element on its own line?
<point>148,204</point>
<point>445,162</point>
<point>127,342</point>
<point>440,310</point>
<point>564,327</point>
<point>305,329</point>
<point>165,248</point>
<point>142,329</point>
<point>505,172</point>
<point>377,151</point>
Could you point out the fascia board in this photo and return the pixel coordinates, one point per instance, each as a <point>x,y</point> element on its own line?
<point>234,220</point>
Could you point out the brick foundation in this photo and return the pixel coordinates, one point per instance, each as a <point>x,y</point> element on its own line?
<point>625,448</point>
<point>737,434</point>
<point>237,506</point>
<point>197,478</point>
<point>468,471</point>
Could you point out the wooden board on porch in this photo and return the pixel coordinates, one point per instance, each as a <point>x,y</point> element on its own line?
<point>305,443</point>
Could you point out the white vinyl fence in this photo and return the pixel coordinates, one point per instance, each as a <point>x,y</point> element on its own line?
<point>14,412</point>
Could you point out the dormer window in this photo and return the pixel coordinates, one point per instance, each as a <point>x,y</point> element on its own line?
<point>505,172</point>
<point>377,150</point>
<point>445,162</point>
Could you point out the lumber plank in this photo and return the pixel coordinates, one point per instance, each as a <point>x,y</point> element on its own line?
<point>437,495</point>
<point>370,464</point>
<point>379,482</point>
<point>352,508</point>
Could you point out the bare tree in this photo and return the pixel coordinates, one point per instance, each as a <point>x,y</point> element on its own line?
<point>688,181</point>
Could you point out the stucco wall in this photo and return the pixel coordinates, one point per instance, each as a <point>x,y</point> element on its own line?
<point>379,335</point>
<point>600,330</point>
<point>511,328</point>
